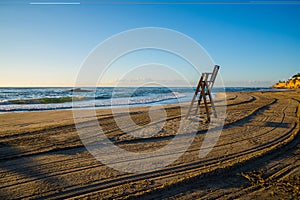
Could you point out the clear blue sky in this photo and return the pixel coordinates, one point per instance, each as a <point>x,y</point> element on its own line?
<point>44,45</point>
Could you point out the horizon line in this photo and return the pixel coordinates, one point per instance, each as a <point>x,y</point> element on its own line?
<point>124,86</point>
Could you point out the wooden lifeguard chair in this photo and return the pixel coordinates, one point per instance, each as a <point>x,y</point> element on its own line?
<point>203,90</point>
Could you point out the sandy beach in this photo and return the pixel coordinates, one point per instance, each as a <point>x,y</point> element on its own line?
<point>256,156</point>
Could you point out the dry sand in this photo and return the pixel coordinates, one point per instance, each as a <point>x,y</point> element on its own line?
<point>256,156</point>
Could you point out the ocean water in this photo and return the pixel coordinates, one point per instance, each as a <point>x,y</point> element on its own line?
<point>39,99</point>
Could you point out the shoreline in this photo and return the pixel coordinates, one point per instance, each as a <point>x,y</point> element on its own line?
<point>152,103</point>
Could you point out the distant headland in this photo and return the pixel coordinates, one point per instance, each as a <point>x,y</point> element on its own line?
<point>292,83</point>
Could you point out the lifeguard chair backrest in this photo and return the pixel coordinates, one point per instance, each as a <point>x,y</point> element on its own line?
<point>213,76</point>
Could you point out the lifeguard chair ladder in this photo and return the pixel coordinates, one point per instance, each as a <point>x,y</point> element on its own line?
<point>204,88</point>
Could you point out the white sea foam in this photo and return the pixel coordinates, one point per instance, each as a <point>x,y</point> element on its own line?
<point>142,100</point>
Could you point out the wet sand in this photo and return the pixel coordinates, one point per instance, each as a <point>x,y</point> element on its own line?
<point>256,156</point>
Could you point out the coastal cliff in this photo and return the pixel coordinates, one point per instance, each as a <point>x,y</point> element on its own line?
<point>292,83</point>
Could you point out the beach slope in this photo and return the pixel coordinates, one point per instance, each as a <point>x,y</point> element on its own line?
<point>257,155</point>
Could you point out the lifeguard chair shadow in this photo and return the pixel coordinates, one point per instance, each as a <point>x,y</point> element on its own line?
<point>203,90</point>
